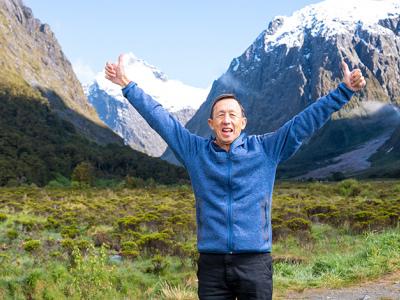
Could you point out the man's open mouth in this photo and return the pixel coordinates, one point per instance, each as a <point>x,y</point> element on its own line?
<point>227,130</point>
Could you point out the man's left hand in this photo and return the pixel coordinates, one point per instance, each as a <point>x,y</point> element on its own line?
<point>354,80</point>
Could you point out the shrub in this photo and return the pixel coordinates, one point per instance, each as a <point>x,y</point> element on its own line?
<point>158,265</point>
<point>54,185</point>
<point>338,176</point>
<point>84,174</point>
<point>50,242</point>
<point>150,183</point>
<point>57,255</point>
<point>297,224</point>
<point>180,251</point>
<point>90,278</point>
<point>319,218</point>
<point>320,209</point>
<point>51,223</point>
<point>29,284</point>
<point>151,245</point>
<point>82,245</point>
<point>128,246</point>
<point>130,182</point>
<point>132,223</point>
<point>129,255</point>
<point>70,231</point>
<point>12,234</point>
<point>279,232</point>
<point>3,218</point>
<point>29,226</point>
<point>32,245</point>
<point>68,245</point>
<point>100,238</point>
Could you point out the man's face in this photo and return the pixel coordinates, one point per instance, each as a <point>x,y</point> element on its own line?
<point>227,122</point>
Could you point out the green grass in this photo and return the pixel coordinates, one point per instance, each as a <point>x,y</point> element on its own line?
<point>354,236</point>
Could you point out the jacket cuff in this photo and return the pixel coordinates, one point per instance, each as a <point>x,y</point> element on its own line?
<point>348,92</point>
<point>127,88</point>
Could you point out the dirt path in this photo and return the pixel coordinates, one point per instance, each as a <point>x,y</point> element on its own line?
<point>386,288</point>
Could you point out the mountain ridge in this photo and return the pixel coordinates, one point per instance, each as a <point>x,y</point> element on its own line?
<point>288,68</point>
<point>30,49</point>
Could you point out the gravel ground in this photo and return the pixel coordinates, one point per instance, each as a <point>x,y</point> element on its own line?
<point>386,288</point>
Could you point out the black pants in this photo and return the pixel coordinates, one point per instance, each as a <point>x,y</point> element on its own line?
<point>227,276</point>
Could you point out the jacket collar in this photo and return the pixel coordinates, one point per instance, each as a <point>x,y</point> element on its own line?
<point>236,143</point>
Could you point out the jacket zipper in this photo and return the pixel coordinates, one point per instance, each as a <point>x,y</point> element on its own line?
<point>229,207</point>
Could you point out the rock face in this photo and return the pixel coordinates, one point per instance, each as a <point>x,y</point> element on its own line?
<point>296,60</point>
<point>30,49</point>
<point>180,100</point>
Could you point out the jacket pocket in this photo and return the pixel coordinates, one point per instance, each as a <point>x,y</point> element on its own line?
<point>264,207</point>
<point>198,220</point>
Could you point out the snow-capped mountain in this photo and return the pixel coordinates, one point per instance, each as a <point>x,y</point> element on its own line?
<point>296,60</point>
<point>180,100</point>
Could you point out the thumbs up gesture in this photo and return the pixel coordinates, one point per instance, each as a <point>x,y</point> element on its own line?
<point>354,80</point>
<point>116,73</point>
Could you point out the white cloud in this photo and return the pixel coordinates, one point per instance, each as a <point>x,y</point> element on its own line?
<point>83,71</point>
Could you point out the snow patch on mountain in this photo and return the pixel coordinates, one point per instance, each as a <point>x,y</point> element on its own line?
<point>329,18</point>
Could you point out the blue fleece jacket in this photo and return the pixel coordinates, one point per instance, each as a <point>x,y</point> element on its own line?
<point>233,190</point>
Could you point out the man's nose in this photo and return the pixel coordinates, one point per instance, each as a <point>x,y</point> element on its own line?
<point>226,119</point>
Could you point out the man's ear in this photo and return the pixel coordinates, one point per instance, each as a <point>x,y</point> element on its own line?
<point>210,123</point>
<point>244,122</point>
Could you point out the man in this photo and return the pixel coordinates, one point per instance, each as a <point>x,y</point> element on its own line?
<point>232,177</point>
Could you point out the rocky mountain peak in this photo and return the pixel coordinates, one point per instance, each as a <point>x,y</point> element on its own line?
<point>297,60</point>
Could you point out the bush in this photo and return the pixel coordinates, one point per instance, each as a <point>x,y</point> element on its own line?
<point>128,246</point>
<point>32,245</point>
<point>68,245</point>
<point>89,275</point>
<point>57,255</point>
<point>130,182</point>
<point>100,238</point>
<point>297,224</point>
<point>54,185</point>
<point>12,234</point>
<point>132,223</point>
<point>158,265</point>
<point>84,174</point>
<point>50,242</point>
<point>3,218</point>
<point>82,245</point>
<point>51,223</point>
<point>70,232</point>
<point>129,255</point>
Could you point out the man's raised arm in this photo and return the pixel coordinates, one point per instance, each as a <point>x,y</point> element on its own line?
<point>179,139</point>
<point>284,142</point>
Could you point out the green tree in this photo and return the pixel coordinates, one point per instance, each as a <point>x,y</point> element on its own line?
<point>84,173</point>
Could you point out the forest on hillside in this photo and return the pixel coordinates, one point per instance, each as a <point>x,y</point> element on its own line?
<point>36,146</point>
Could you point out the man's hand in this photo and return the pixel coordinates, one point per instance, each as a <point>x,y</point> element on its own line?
<point>354,80</point>
<point>116,73</point>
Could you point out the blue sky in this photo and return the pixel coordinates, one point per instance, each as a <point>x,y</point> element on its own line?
<point>192,41</point>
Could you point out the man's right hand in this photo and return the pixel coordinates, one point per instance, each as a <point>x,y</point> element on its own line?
<point>116,73</point>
